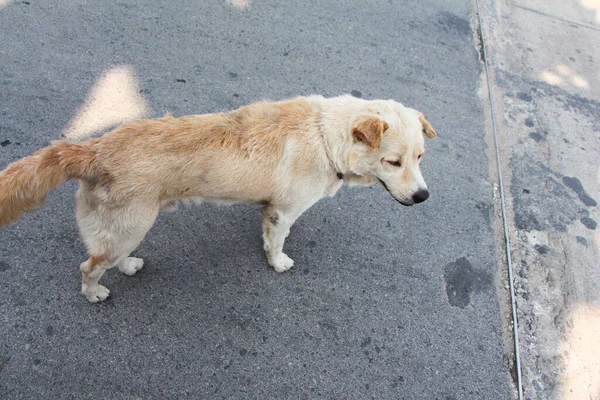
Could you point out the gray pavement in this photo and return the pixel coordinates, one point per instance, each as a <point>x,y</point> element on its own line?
<point>544,56</point>
<point>384,302</point>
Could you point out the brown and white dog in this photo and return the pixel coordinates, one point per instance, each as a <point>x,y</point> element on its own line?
<point>285,155</point>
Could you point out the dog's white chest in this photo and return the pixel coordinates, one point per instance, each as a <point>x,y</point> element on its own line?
<point>333,187</point>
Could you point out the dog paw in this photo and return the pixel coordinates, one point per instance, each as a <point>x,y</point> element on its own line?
<point>130,265</point>
<point>95,293</point>
<point>282,263</point>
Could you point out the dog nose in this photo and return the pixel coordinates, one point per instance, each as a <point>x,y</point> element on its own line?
<point>420,196</point>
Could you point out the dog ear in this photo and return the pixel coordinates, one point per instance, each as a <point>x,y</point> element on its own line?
<point>427,128</point>
<point>369,129</point>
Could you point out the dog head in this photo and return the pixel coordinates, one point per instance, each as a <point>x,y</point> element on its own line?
<point>388,145</point>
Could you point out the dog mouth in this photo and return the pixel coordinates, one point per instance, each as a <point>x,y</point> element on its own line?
<point>394,197</point>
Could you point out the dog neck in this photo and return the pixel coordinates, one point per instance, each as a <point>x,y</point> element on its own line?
<point>337,167</point>
<point>336,141</point>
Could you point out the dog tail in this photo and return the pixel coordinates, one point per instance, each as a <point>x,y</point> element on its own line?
<point>25,183</point>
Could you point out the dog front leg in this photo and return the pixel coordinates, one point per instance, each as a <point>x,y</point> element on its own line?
<point>276,227</point>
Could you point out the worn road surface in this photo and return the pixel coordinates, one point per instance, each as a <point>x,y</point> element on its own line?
<point>544,57</point>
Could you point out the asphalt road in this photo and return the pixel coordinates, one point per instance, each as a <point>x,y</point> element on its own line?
<point>384,302</point>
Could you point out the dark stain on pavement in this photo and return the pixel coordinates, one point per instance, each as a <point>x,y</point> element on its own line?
<point>397,382</point>
<point>542,249</point>
<point>462,280</point>
<point>575,185</point>
<point>529,122</point>
<point>4,266</point>
<point>571,102</point>
<point>454,24</point>
<point>548,202</point>
<point>589,223</point>
<point>537,137</point>
<point>587,107</point>
<point>486,209</point>
<point>4,359</point>
<point>525,96</point>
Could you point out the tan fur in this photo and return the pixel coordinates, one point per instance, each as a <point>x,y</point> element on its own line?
<point>369,129</point>
<point>25,183</point>
<point>286,155</point>
<point>427,128</point>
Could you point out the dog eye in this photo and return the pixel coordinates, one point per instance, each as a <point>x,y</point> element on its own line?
<point>394,163</point>
<point>419,157</point>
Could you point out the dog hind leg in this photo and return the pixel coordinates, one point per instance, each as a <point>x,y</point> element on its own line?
<point>91,272</point>
<point>110,235</point>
